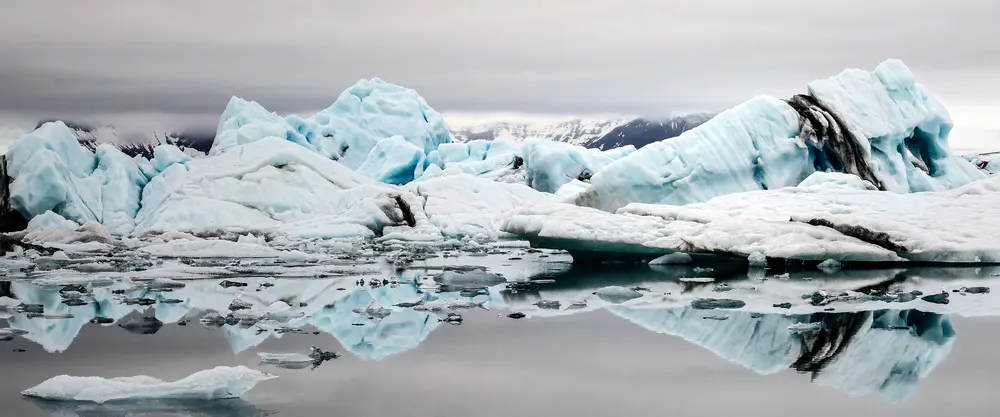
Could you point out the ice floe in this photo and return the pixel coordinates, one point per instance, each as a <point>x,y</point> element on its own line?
<point>216,383</point>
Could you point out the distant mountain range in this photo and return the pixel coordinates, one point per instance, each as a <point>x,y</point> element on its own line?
<point>591,133</point>
<point>575,131</point>
<point>134,143</point>
<point>601,134</point>
<point>642,132</point>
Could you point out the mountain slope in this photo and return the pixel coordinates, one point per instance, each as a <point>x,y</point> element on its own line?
<point>641,132</point>
<point>592,133</point>
<point>574,131</point>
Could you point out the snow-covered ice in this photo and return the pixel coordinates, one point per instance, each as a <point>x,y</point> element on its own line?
<point>818,221</point>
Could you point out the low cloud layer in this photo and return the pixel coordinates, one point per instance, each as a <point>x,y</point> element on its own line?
<point>182,60</point>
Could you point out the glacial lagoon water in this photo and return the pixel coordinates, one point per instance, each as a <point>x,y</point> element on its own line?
<point>849,343</point>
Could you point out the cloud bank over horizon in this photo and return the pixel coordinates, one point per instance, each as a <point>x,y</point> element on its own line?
<point>174,65</point>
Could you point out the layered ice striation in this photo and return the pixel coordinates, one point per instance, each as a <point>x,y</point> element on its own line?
<point>881,126</point>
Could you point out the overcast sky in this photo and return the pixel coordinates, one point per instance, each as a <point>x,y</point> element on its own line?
<point>177,62</point>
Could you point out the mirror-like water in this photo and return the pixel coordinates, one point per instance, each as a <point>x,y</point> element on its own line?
<point>593,341</point>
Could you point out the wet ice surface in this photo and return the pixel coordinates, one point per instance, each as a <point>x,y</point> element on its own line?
<point>418,340</point>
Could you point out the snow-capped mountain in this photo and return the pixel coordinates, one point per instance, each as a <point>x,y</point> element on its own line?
<point>132,142</point>
<point>9,134</point>
<point>603,134</point>
<point>574,131</point>
<point>641,132</point>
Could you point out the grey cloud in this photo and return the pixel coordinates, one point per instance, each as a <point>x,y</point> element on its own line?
<point>638,57</point>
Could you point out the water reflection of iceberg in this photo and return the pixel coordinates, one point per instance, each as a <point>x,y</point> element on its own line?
<point>866,346</point>
<point>326,304</point>
<point>887,351</point>
<point>182,408</point>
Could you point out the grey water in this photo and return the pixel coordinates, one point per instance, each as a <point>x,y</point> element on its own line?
<point>606,361</point>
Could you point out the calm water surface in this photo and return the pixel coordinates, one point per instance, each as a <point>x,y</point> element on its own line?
<point>613,360</point>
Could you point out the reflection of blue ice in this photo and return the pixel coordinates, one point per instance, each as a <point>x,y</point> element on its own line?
<point>887,351</point>
<point>325,304</point>
<point>764,345</point>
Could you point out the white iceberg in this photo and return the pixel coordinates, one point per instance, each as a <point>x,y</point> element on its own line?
<point>816,222</point>
<point>216,383</point>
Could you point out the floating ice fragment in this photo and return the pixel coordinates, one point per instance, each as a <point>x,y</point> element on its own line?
<point>941,298</point>
<point>217,383</point>
<point>616,295</point>
<point>676,258</point>
<point>9,332</point>
<point>141,325</point>
<point>975,290</point>
<point>699,280</point>
<point>373,311</point>
<point>757,260</point>
<point>829,266</point>
<point>805,327</point>
<point>714,303</point>
<point>315,358</point>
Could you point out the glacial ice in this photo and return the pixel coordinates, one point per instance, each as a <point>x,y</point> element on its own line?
<point>944,226</point>
<point>550,165</point>
<point>49,220</point>
<point>884,127</point>
<point>820,221</point>
<point>394,161</point>
<point>462,205</point>
<point>217,383</point>
<point>586,230</point>
<point>379,164</point>
<point>51,171</point>
<point>364,114</point>
<point>166,155</point>
<point>543,165</point>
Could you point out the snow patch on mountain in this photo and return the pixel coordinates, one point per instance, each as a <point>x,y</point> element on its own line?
<point>576,131</point>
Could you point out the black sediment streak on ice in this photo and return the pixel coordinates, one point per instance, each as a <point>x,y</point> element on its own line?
<point>10,219</point>
<point>407,212</point>
<point>823,346</point>
<point>881,239</point>
<point>831,136</point>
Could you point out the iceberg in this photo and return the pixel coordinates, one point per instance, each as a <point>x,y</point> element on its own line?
<point>840,172</point>
<point>463,205</point>
<point>822,220</point>
<point>881,126</point>
<point>543,165</point>
<point>363,115</point>
<point>216,383</point>
<point>394,161</point>
<point>166,155</point>
<point>51,171</point>
<point>550,165</point>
